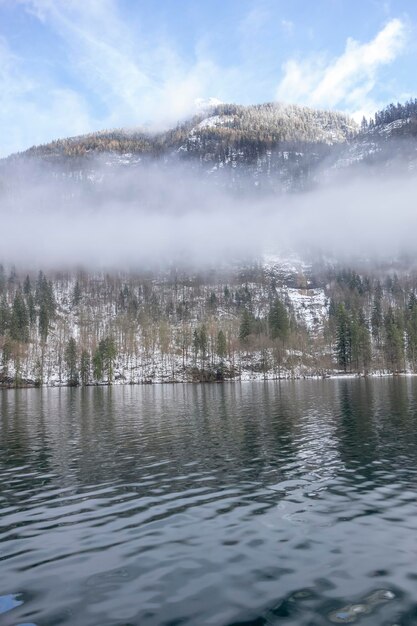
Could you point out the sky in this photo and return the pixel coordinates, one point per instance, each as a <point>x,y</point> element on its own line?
<point>69,67</point>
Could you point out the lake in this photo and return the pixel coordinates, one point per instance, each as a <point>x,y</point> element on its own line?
<point>237,504</point>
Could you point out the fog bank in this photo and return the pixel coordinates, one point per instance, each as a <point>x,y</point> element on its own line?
<point>151,216</point>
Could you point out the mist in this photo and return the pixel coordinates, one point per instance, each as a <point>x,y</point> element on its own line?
<point>152,216</point>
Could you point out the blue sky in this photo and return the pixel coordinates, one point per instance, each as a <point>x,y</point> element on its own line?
<point>72,66</point>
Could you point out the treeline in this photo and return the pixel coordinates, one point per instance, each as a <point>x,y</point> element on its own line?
<point>373,322</point>
<point>263,126</point>
<point>276,122</point>
<point>391,113</point>
<point>26,314</point>
<point>83,328</point>
<point>89,329</point>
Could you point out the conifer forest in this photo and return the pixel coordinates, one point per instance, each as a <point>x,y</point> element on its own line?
<point>256,322</point>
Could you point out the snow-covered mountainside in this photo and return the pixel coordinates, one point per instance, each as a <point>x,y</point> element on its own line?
<point>276,317</point>
<point>269,147</point>
<point>264,148</point>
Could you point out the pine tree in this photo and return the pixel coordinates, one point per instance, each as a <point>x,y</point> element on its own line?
<point>343,338</point>
<point>365,342</point>
<point>85,367</point>
<point>394,341</point>
<point>43,323</point>
<point>203,342</point>
<point>412,334</point>
<point>200,343</point>
<point>221,346</point>
<point>45,299</point>
<point>108,352</point>
<point>76,295</point>
<point>4,316</point>
<point>71,362</point>
<point>360,341</point>
<point>30,301</point>
<point>376,317</point>
<point>246,326</point>
<point>19,320</point>
<point>98,364</point>
<point>278,321</point>
<point>27,287</point>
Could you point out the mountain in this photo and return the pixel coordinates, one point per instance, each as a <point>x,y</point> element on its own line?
<point>257,127</point>
<point>268,147</point>
<point>272,147</point>
<point>266,318</point>
<point>387,142</point>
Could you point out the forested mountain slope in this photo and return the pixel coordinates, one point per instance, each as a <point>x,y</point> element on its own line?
<point>237,320</point>
<point>386,142</point>
<point>256,128</point>
<point>267,148</point>
<point>272,319</point>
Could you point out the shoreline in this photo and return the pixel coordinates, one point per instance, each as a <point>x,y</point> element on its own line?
<point>242,379</point>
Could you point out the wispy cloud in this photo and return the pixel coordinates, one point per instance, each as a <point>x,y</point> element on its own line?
<point>254,20</point>
<point>31,111</point>
<point>136,78</point>
<point>107,71</point>
<point>346,81</point>
<point>287,26</point>
<point>119,76</point>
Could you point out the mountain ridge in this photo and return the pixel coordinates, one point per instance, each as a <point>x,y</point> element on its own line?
<point>283,122</point>
<point>267,148</point>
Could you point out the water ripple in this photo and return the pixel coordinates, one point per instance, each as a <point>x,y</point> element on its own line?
<point>211,505</point>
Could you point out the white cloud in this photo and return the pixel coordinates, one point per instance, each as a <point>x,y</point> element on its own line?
<point>346,81</point>
<point>109,72</point>
<point>32,112</point>
<point>254,21</point>
<point>118,76</point>
<point>137,78</point>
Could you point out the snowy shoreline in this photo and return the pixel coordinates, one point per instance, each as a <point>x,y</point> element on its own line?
<point>244,378</point>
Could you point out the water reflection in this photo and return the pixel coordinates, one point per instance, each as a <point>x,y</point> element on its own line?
<point>257,503</point>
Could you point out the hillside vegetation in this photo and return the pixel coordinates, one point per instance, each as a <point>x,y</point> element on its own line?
<point>264,321</point>
<point>257,127</point>
<point>267,148</point>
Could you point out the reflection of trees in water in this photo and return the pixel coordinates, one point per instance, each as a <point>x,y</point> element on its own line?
<point>25,452</point>
<point>23,438</point>
<point>356,432</point>
<point>377,426</point>
<point>398,421</point>
<point>318,453</point>
<point>14,435</point>
<point>399,403</point>
<point>251,425</point>
<point>175,435</point>
<point>149,436</point>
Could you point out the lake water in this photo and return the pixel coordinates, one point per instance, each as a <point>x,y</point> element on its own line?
<point>255,504</point>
